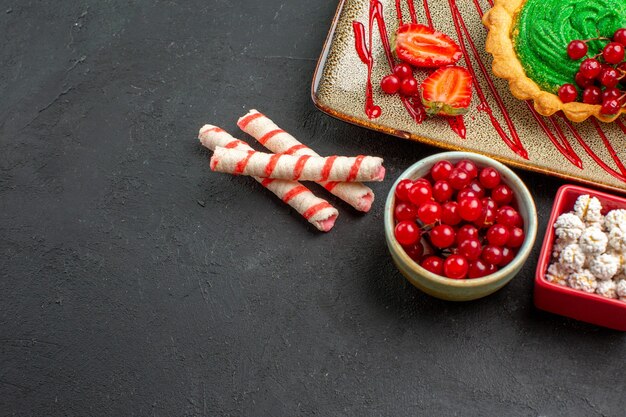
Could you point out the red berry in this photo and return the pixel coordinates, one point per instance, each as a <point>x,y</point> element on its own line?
<point>420,193</point>
<point>442,191</point>
<point>613,53</point>
<point>415,251</point>
<point>441,170</point>
<point>422,181</point>
<point>390,84</point>
<point>498,235</point>
<point>403,71</point>
<point>508,216</point>
<point>620,36</point>
<point>408,87</point>
<point>492,254</point>
<point>502,194</point>
<point>433,264</point>
<point>590,68</point>
<point>592,95</point>
<point>478,269</point>
<point>609,77</point>
<point>429,212</point>
<point>468,166</point>
<point>459,179</point>
<point>576,49</point>
<point>490,177</point>
<point>477,188</point>
<point>402,189</point>
<point>455,267</point>
<point>442,236</point>
<point>450,213</point>
<point>405,211</point>
<point>488,202</point>
<point>516,238</point>
<point>466,232</point>
<point>610,107</point>
<point>582,81</point>
<point>470,208</point>
<point>568,93</point>
<point>407,233</point>
<point>508,255</point>
<point>465,193</point>
<point>611,94</point>
<point>471,249</point>
<point>487,217</point>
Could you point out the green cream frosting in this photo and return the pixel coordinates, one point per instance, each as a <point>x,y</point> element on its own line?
<point>544,28</point>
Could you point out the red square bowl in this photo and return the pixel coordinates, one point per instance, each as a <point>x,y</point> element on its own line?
<point>579,305</point>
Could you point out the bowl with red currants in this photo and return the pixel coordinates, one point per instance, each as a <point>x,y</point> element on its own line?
<point>459,226</point>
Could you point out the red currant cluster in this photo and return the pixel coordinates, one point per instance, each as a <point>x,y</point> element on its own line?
<point>464,216</point>
<point>401,81</point>
<point>598,75</point>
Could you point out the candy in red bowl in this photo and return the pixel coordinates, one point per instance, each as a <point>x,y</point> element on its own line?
<point>581,272</point>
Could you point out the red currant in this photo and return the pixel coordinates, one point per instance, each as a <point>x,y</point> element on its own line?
<point>609,77</point>
<point>465,193</point>
<point>403,71</point>
<point>402,189</point>
<point>613,53</point>
<point>466,232</point>
<point>516,238</point>
<point>567,93</point>
<point>415,251</point>
<point>471,249</point>
<point>487,218</point>
<point>502,194</point>
<point>441,170</point>
<point>470,208</point>
<point>508,216</point>
<point>498,235</point>
<point>468,166</point>
<point>450,213</point>
<point>489,177</point>
<point>590,68</point>
<point>390,84</point>
<point>508,255</point>
<point>408,87</point>
<point>405,211</point>
<point>582,81</point>
<point>455,267</point>
<point>407,233</point>
<point>488,202</point>
<point>459,179</point>
<point>576,49</point>
<point>433,264</point>
<point>592,95</point>
<point>442,236</point>
<point>429,212</point>
<point>478,269</point>
<point>420,193</point>
<point>442,191</point>
<point>477,188</point>
<point>492,254</point>
<point>610,107</point>
<point>620,36</point>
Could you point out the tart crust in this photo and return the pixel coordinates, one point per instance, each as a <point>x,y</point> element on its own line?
<point>499,20</point>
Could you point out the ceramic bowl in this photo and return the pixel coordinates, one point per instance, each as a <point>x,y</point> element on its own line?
<point>579,305</point>
<point>465,289</point>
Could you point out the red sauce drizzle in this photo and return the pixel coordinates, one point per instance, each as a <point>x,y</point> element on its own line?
<point>458,125</point>
<point>621,125</point>
<point>427,11</point>
<point>411,11</point>
<point>609,147</point>
<point>515,144</point>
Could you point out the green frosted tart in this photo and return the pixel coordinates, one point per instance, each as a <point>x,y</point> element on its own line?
<point>529,38</point>
<point>543,28</point>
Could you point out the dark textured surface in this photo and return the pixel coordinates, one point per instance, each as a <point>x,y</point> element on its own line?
<point>122,295</point>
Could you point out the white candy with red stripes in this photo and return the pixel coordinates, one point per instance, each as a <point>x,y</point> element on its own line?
<point>277,140</point>
<point>316,210</point>
<point>305,167</point>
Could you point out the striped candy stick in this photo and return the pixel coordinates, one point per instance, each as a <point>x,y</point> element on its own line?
<point>316,210</point>
<point>290,167</point>
<point>277,140</point>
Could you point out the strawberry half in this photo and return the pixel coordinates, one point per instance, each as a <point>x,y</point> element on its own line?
<point>447,91</point>
<point>421,46</point>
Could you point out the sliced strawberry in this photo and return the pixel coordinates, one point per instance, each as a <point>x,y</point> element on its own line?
<point>447,91</point>
<point>421,46</point>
